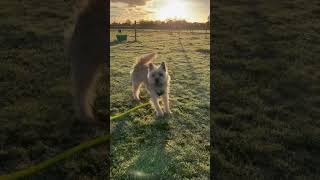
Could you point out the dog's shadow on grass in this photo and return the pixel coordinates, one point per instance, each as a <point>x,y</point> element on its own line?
<point>153,161</point>
<point>148,139</point>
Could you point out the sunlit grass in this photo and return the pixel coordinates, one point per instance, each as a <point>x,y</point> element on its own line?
<point>177,147</point>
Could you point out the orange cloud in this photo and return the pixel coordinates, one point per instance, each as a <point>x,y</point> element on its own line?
<point>132,2</point>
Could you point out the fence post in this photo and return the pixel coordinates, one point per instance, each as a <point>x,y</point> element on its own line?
<point>135,30</point>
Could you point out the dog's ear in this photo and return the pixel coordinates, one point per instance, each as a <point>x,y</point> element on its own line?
<point>163,66</point>
<point>151,67</point>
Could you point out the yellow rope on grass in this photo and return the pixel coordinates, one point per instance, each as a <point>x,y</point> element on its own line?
<point>45,164</point>
<point>129,111</point>
<point>83,146</point>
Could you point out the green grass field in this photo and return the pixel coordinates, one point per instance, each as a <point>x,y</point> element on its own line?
<point>36,114</point>
<point>266,103</point>
<point>176,147</point>
<point>266,84</point>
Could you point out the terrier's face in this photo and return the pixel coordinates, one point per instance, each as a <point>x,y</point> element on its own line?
<point>157,76</point>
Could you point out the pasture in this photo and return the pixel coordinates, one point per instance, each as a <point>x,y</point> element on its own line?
<point>175,147</point>
<point>266,103</point>
<point>36,114</point>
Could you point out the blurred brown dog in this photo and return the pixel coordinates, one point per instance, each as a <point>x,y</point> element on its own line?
<point>86,49</point>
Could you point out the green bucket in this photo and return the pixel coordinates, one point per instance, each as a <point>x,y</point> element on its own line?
<point>121,37</point>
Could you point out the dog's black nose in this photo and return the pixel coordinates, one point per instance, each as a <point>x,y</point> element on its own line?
<point>157,80</point>
<point>159,93</point>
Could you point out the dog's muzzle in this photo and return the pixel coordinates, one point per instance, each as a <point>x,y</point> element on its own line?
<point>158,83</point>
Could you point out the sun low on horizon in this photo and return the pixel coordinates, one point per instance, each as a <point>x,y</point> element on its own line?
<point>173,10</point>
<point>191,11</point>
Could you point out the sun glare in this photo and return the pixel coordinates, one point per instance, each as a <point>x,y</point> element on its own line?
<point>172,9</point>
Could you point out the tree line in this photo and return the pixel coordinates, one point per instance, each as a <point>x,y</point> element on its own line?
<point>157,24</point>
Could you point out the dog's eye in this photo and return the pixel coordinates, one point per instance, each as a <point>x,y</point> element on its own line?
<point>160,74</point>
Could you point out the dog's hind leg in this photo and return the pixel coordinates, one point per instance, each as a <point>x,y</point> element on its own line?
<point>136,90</point>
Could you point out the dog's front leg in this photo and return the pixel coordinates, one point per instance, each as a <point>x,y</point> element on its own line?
<point>165,100</point>
<point>156,105</point>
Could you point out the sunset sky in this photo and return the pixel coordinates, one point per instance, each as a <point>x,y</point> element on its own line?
<point>190,10</point>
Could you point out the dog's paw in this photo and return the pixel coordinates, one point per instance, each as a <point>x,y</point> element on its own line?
<point>169,113</point>
<point>160,114</point>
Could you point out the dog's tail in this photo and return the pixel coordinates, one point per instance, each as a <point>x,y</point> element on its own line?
<point>147,58</point>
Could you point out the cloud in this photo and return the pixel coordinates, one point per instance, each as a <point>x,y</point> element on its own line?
<point>140,11</point>
<point>132,3</point>
<point>121,12</point>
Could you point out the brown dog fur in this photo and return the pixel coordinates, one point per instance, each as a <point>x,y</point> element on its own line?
<point>86,50</point>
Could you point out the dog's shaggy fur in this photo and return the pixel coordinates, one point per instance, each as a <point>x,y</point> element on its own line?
<point>86,49</point>
<point>155,78</point>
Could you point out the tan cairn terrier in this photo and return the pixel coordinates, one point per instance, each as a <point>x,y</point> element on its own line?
<point>156,80</point>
